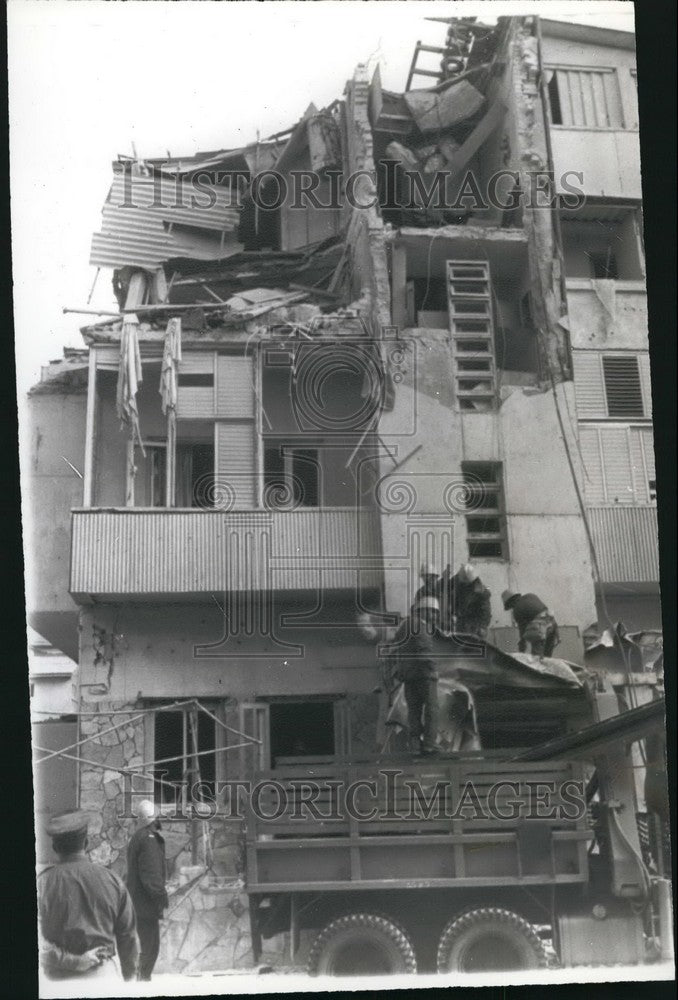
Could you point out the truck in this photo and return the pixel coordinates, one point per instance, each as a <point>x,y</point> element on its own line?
<point>503,858</point>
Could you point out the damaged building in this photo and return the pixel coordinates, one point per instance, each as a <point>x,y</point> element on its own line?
<point>295,406</point>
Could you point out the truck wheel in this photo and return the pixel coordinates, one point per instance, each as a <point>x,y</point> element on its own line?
<point>361,944</point>
<point>489,940</point>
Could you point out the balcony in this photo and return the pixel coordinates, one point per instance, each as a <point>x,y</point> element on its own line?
<point>140,553</point>
<point>625,538</point>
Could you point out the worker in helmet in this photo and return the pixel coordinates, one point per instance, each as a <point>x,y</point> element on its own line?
<point>430,586</point>
<point>465,602</point>
<point>415,643</point>
<point>537,626</point>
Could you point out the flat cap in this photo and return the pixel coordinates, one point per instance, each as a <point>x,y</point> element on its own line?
<point>69,822</point>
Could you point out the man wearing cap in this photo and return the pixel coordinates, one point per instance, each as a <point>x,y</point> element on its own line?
<point>146,883</point>
<point>467,602</point>
<point>536,625</point>
<point>85,911</point>
<point>416,669</point>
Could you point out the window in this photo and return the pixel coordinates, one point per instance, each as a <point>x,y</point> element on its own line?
<point>603,265</point>
<point>302,729</point>
<point>184,745</point>
<point>585,98</point>
<point>485,515</point>
<point>292,476</point>
<point>622,386</point>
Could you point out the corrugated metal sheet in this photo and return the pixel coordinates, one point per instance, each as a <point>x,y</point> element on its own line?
<point>626,543</point>
<point>128,552</point>
<point>147,220</point>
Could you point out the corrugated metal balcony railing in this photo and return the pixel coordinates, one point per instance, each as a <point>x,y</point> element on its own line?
<point>626,542</point>
<point>128,552</point>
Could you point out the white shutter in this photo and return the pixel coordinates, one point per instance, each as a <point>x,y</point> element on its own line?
<point>589,386</point>
<point>594,485</point>
<point>616,454</point>
<point>235,392</point>
<point>236,468</point>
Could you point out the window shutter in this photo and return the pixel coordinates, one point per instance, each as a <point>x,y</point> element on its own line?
<point>616,454</point>
<point>235,393</point>
<point>588,384</point>
<point>622,386</point>
<point>589,98</point>
<point>236,462</point>
<point>594,486</point>
<point>641,450</point>
<point>196,402</point>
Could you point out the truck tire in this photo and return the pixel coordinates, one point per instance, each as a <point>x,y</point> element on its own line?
<point>361,944</point>
<point>489,940</point>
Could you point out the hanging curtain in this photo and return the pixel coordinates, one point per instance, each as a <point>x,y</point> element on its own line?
<point>129,377</point>
<point>168,393</point>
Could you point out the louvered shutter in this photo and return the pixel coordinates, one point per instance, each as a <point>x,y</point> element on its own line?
<point>235,445</point>
<point>621,374</point>
<point>590,98</point>
<point>594,487</point>
<point>589,386</point>
<point>236,473</point>
<point>196,402</point>
<point>235,387</point>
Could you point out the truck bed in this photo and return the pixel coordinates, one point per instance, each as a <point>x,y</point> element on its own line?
<point>390,838</point>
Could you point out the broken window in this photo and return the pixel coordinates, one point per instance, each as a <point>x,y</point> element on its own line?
<point>485,512</point>
<point>585,98</point>
<point>184,756</point>
<point>622,386</point>
<point>603,242</point>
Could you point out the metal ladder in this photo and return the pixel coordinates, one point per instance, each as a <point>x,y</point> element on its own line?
<point>469,297</point>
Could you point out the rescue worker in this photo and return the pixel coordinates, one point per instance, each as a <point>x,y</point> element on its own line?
<point>415,667</point>
<point>466,601</point>
<point>146,883</point>
<point>536,625</point>
<point>85,912</point>
<point>431,585</point>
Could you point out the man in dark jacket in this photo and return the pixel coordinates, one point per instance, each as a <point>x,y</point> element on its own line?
<point>146,883</point>
<point>86,914</point>
<point>536,625</point>
<point>414,643</point>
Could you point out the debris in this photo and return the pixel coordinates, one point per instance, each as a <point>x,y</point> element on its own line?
<point>433,112</point>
